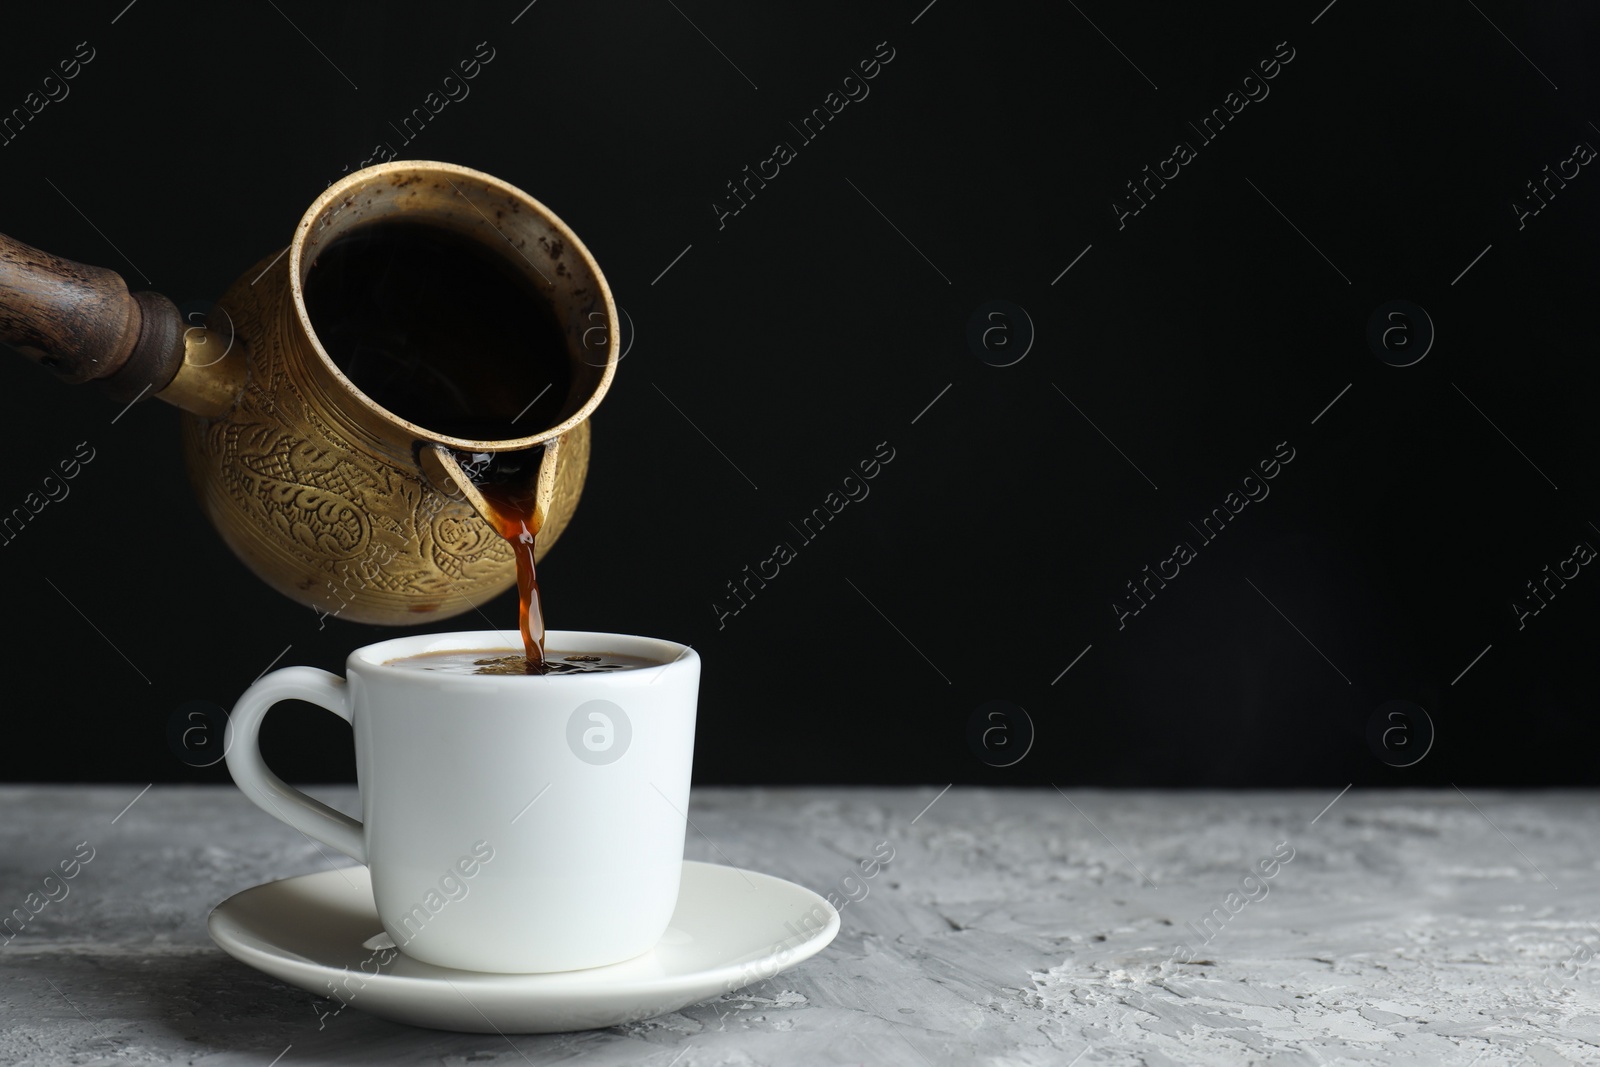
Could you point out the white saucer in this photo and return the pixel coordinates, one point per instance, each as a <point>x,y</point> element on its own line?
<point>731,929</point>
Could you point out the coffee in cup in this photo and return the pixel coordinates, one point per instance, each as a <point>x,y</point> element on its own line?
<point>503,661</point>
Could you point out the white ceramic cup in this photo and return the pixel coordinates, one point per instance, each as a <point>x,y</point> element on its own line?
<point>510,823</point>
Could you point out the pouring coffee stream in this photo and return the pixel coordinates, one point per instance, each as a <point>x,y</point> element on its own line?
<point>402,453</point>
<point>512,502</point>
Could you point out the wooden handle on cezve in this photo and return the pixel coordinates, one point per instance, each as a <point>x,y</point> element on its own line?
<point>83,324</point>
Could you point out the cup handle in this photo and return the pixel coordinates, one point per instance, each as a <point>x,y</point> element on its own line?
<point>266,790</point>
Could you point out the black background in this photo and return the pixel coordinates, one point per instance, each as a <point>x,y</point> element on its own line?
<point>826,316</point>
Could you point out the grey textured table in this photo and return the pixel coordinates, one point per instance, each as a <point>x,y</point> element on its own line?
<point>1011,929</point>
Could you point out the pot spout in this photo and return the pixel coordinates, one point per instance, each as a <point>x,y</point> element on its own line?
<point>520,475</point>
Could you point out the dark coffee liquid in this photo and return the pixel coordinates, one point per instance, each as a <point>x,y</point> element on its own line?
<point>440,329</point>
<point>500,661</point>
<point>508,482</point>
<point>452,336</point>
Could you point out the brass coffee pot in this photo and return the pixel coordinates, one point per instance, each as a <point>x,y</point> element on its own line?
<point>327,496</point>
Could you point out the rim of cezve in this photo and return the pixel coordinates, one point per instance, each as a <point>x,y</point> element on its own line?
<point>373,175</point>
